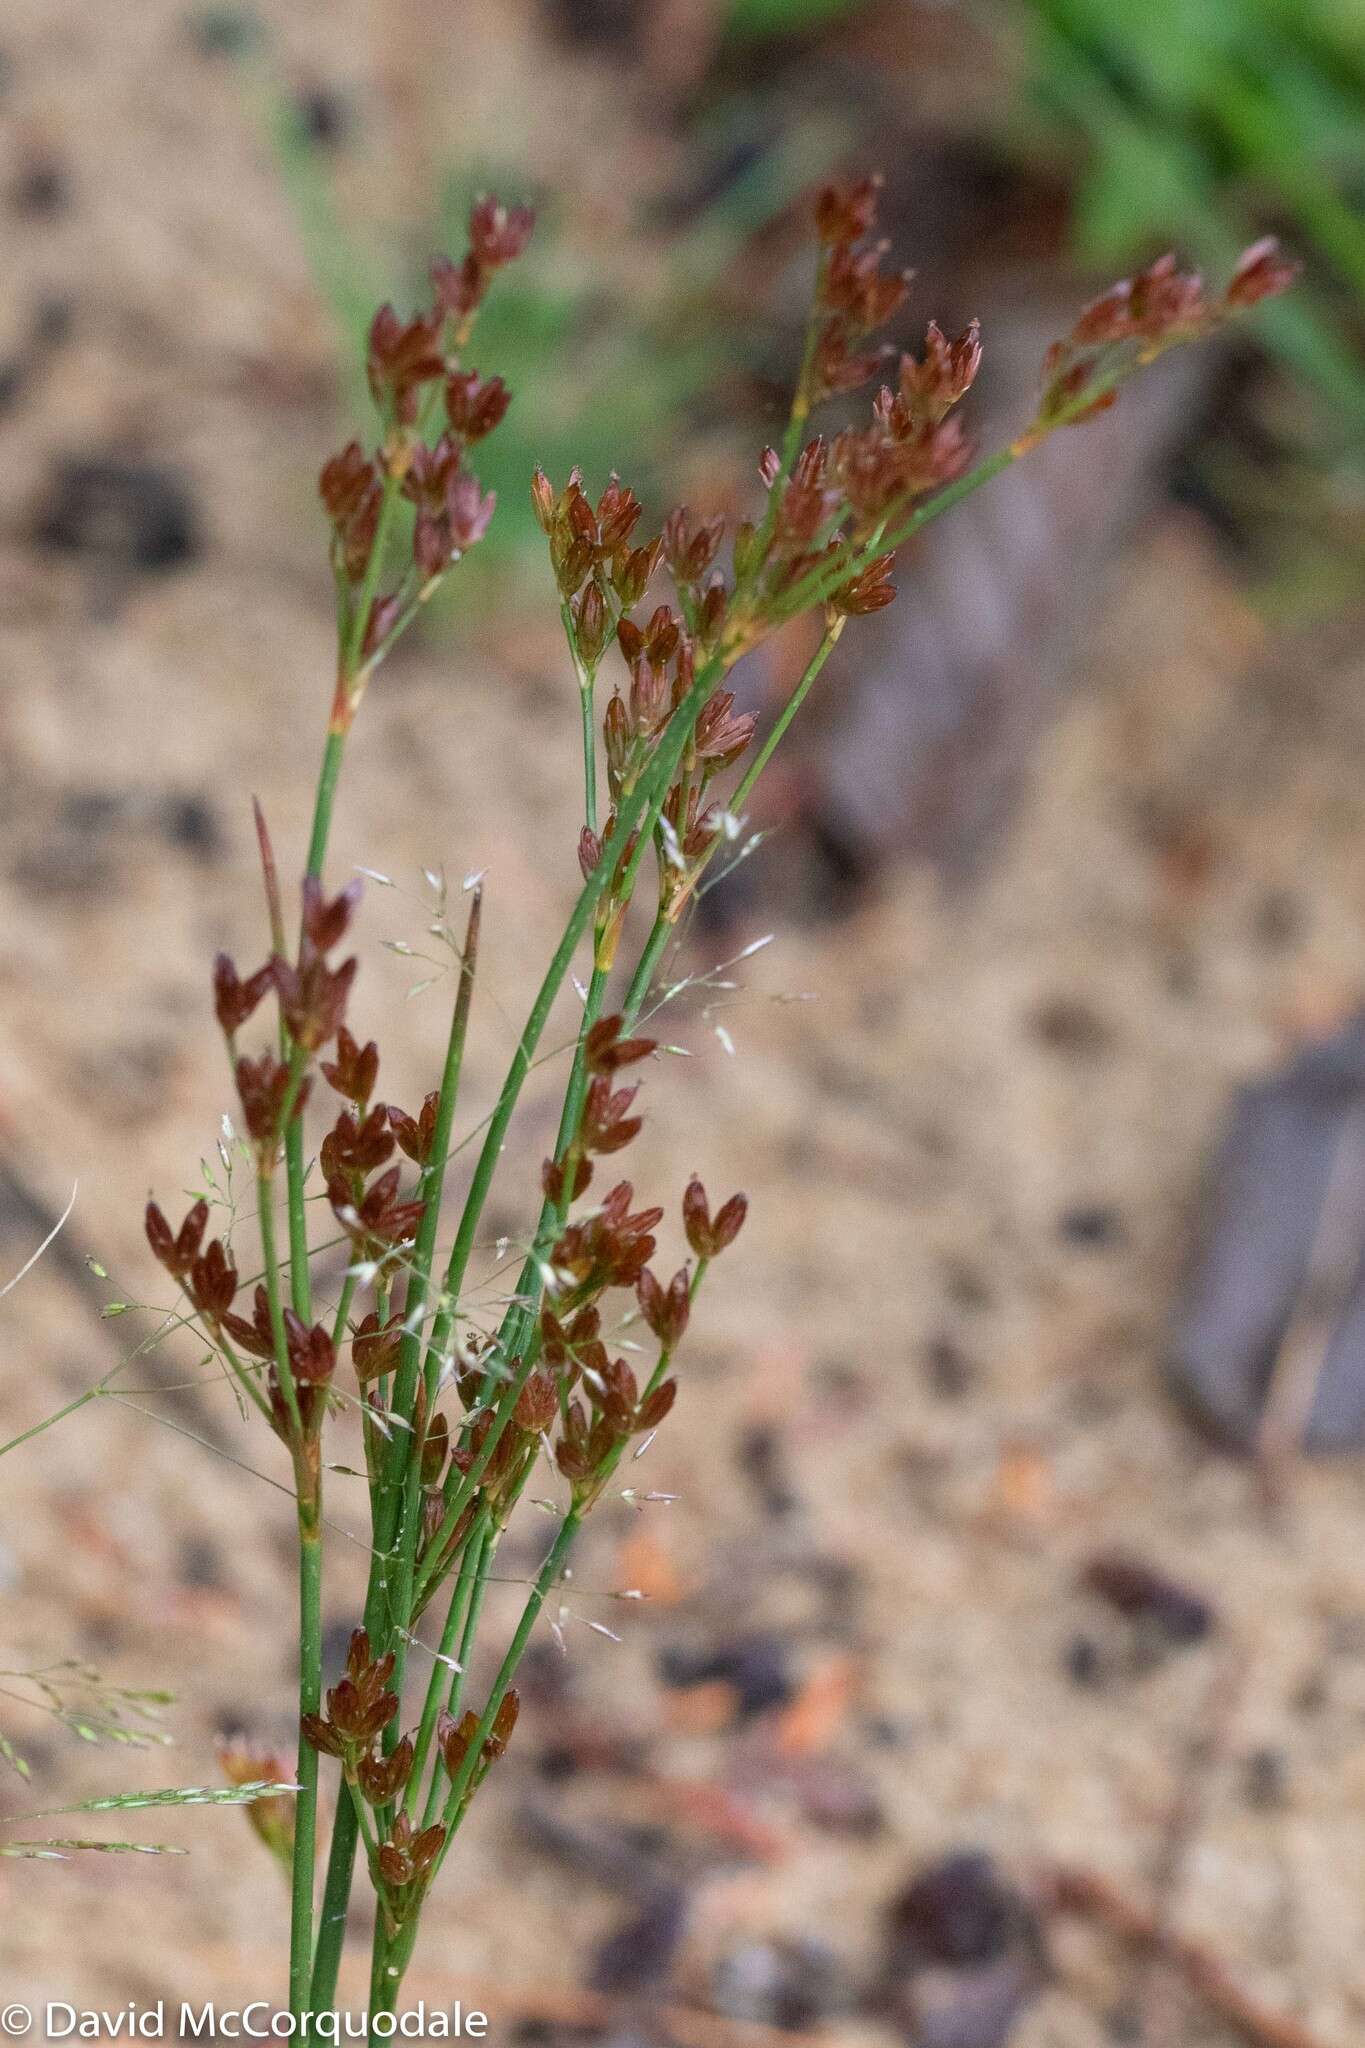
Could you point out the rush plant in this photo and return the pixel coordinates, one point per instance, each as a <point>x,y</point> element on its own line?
<point>459,1409</point>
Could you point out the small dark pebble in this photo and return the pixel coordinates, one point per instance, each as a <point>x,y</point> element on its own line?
<point>135,514</point>
<point>596,24</point>
<point>883,1731</point>
<point>791,1985</point>
<point>639,1955</point>
<point>1311,1696</point>
<point>41,190</point>
<point>958,1910</point>
<point>1278,921</point>
<point>967,1287</point>
<point>191,823</point>
<point>1267,1779</point>
<point>324,117</point>
<point>947,1368</point>
<point>557,1763</point>
<point>201,1564</point>
<point>840,1799</point>
<point>224,31</point>
<point>90,810</point>
<point>1067,1025</point>
<point>1142,1594</point>
<point>758,1667</point>
<point>964,1954</point>
<point>760,1458</point>
<point>1083,1662</point>
<point>1091,1224</point>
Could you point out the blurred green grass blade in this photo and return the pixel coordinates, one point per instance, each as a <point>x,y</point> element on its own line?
<point>60,1847</point>
<point>173,1795</point>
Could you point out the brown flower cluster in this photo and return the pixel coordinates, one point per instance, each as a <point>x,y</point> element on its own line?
<point>414,367</point>
<point>1160,308</point>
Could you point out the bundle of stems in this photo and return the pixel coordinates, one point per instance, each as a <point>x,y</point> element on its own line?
<point>456,1415</point>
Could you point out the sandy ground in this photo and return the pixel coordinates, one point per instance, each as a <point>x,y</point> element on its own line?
<point>956,1379</point>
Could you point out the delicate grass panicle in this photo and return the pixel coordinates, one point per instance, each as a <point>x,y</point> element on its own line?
<point>457,1412</point>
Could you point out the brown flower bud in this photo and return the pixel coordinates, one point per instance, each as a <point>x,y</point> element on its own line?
<point>1262,273</point>
<point>665,1311</point>
<point>605,1051</point>
<point>656,1406</point>
<point>542,499</point>
<point>177,1251</point>
<point>537,1404</point>
<point>382,1778</point>
<point>504,1721</point>
<point>355,1070</point>
<point>589,852</point>
<point>474,406</point>
<point>235,1000</point>
<point>590,624</point>
<point>498,233</point>
<point>708,1235</point>
<point>844,212</point>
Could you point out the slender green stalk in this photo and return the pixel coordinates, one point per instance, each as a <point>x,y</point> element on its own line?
<point>306,1803</point>
<point>403,1481</point>
<point>589,758</point>
<point>336,1898</point>
<point>471,1628</point>
<point>545,1581</point>
<point>656,945</point>
<point>586,680</point>
<point>265,1207</point>
<point>348,1288</point>
<point>788,712</point>
<point>646,797</point>
<point>446,1655</point>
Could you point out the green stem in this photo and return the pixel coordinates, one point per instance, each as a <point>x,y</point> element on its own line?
<point>336,1895</point>
<point>471,1629</point>
<point>437,1684</point>
<point>589,757</point>
<point>325,801</point>
<point>265,1207</point>
<point>546,1579</point>
<point>647,796</point>
<point>787,713</point>
<point>586,680</point>
<point>348,1288</point>
<point>655,947</point>
<point>402,1473</point>
<point>306,1802</point>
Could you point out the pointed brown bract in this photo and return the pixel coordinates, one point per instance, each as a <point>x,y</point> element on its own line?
<point>708,1235</point>
<point>475,405</point>
<point>262,1086</point>
<point>665,1309</point>
<point>845,212</point>
<point>354,1072</point>
<point>234,1000</point>
<point>351,491</point>
<point>375,1346</point>
<point>403,356</point>
<point>177,1250</point>
<point>606,1051</point>
<point>377,1220</point>
<point>415,1135</point>
<point>1262,272</point>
